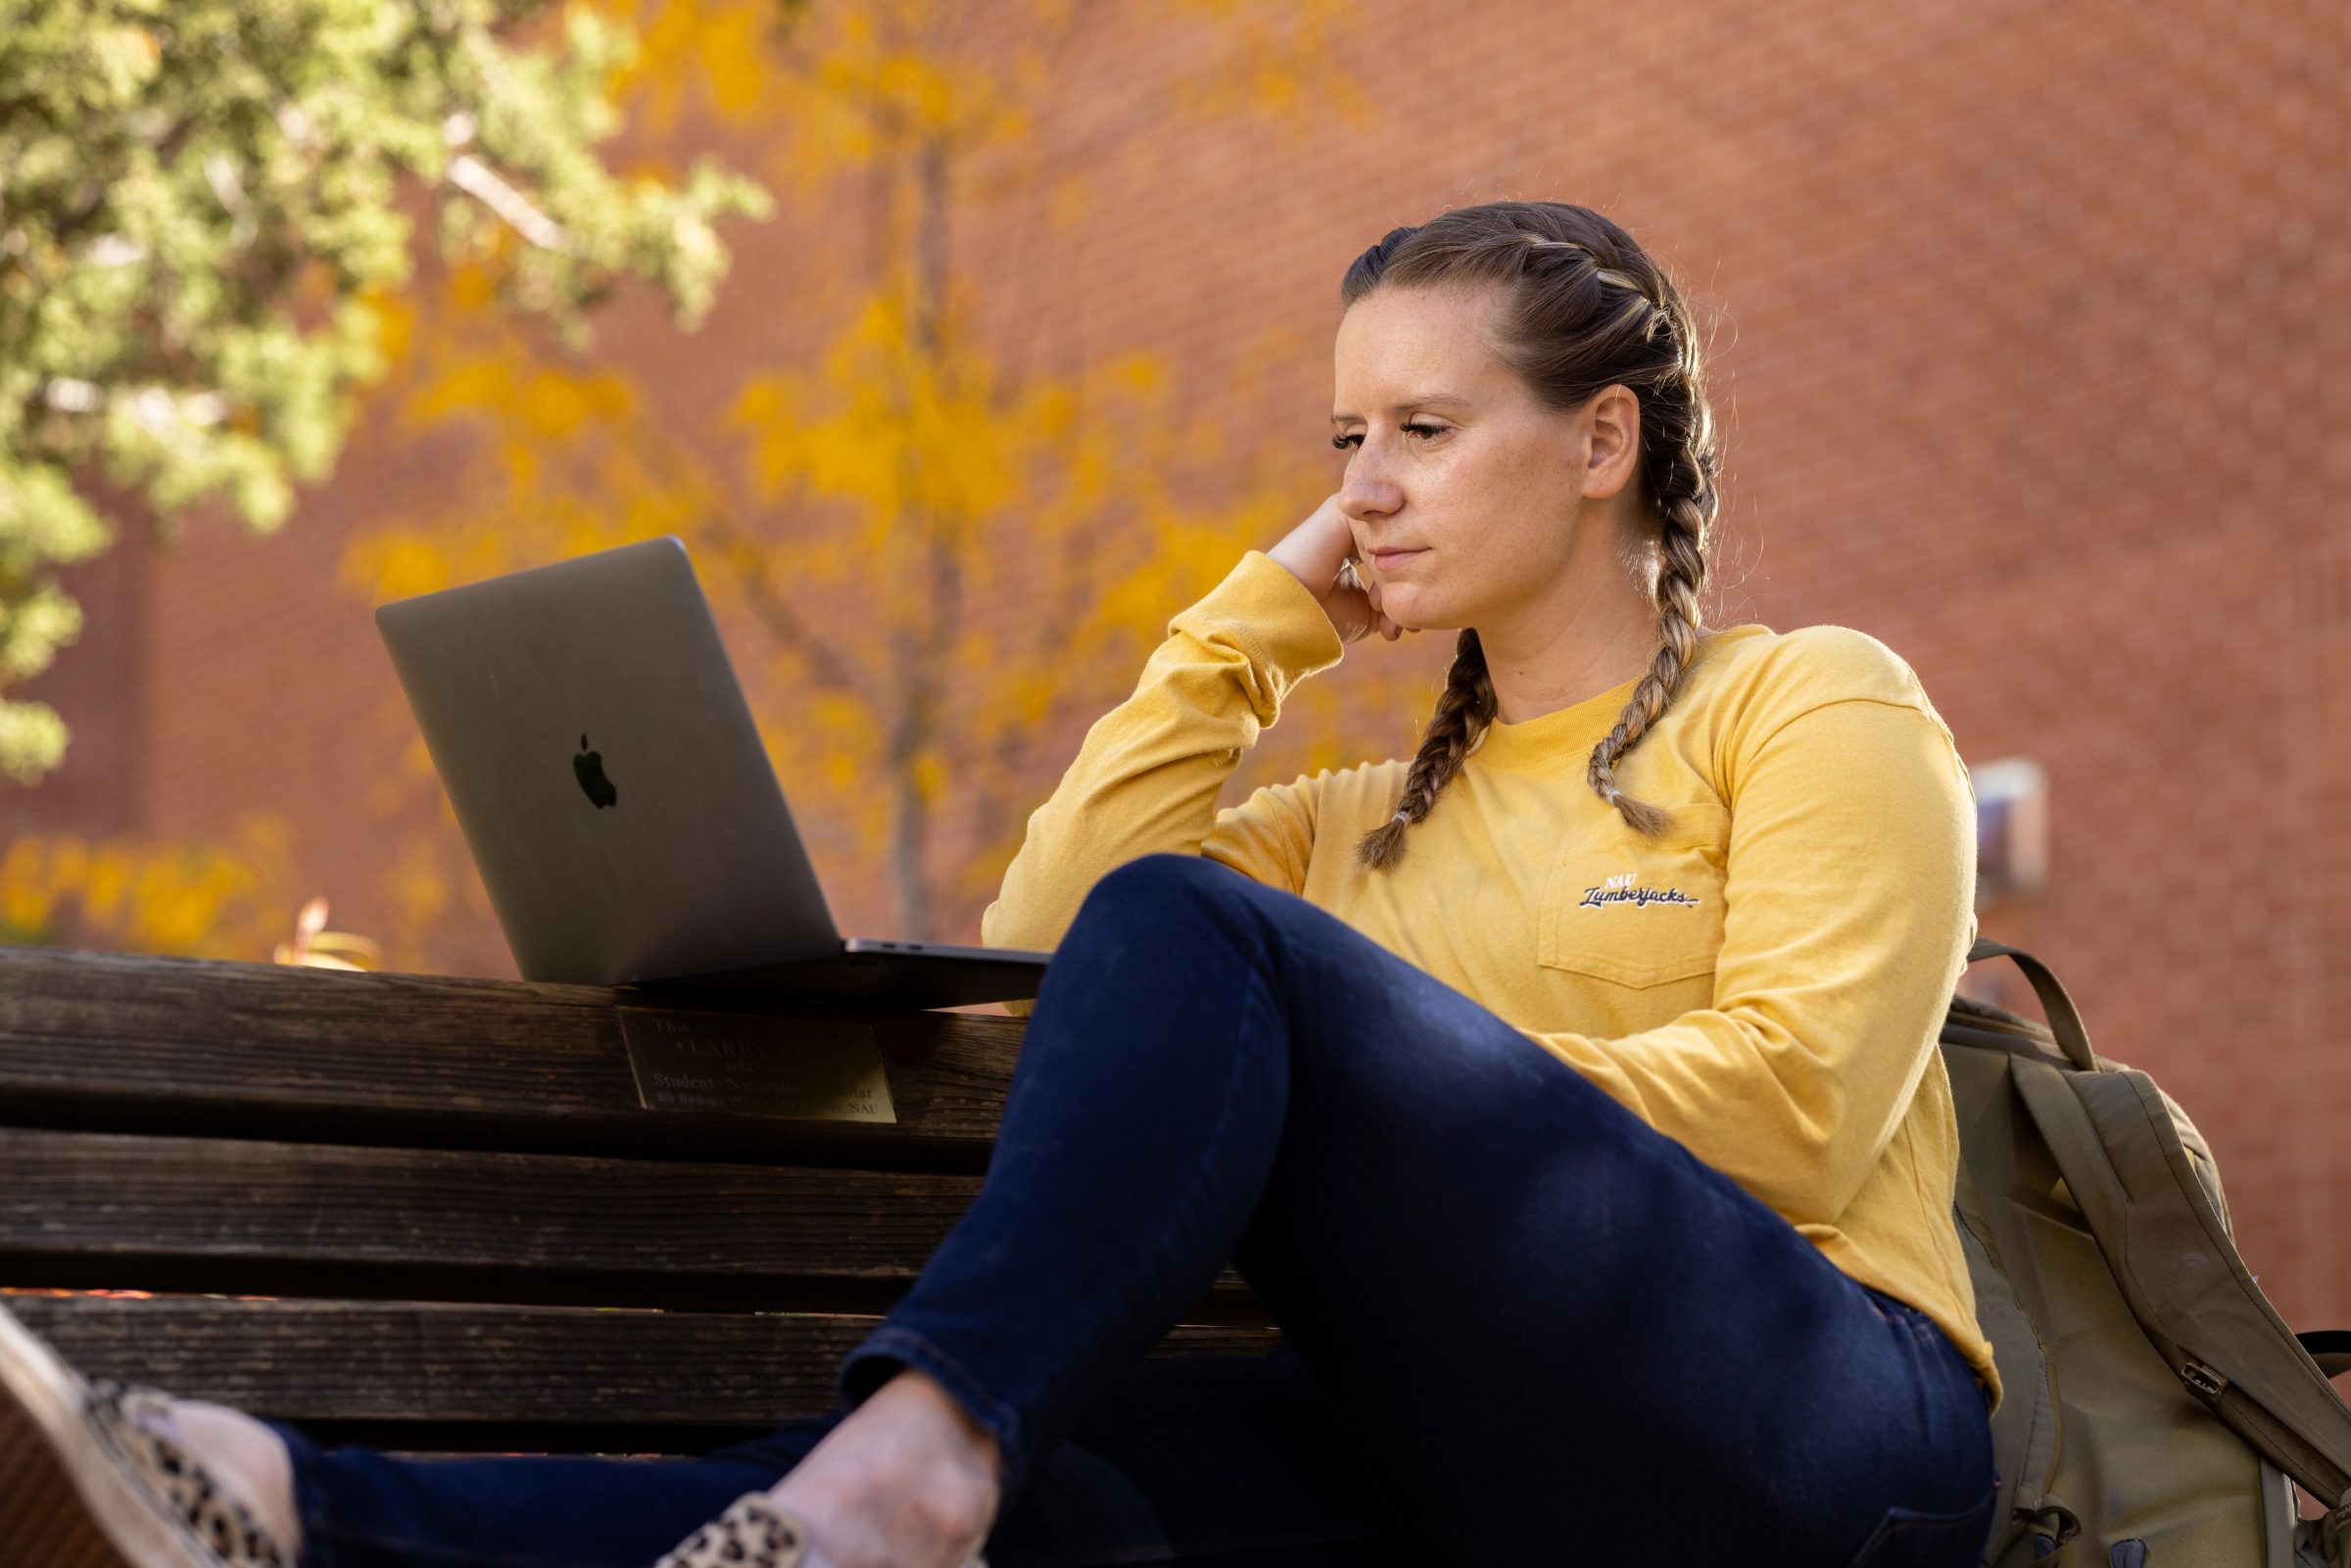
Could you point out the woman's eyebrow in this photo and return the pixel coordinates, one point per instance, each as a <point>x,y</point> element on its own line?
<point>1429,401</point>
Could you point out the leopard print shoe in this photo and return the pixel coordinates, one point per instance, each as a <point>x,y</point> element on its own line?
<point>753,1533</point>
<point>86,1482</point>
<point>138,1418</point>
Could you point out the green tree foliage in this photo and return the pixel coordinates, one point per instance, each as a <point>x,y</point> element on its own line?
<point>205,202</point>
<point>949,540</point>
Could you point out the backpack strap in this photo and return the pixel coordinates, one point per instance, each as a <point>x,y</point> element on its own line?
<point>2065,1019</point>
<point>2113,1140</point>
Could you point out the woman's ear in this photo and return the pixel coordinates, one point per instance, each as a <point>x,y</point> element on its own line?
<point>1611,426</point>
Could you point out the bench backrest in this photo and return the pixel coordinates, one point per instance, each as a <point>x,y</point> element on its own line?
<point>440,1213</point>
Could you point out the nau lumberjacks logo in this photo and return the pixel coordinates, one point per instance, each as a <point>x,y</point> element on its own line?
<point>1624,890</point>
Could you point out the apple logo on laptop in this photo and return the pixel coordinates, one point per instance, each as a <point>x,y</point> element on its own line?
<point>590,766</point>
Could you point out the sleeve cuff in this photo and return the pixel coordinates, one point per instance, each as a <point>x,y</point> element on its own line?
<point>1263,610</point>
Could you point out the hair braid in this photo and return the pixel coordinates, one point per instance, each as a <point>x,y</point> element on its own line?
<point>1463,711</point>
<point>1587,309</point>
<point>1681,578</point>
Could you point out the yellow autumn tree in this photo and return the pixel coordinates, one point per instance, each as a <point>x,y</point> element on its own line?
<point>231,899</point>
<point>940,549</point>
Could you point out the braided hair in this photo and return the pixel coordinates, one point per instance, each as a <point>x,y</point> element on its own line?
<point>1586,308</point>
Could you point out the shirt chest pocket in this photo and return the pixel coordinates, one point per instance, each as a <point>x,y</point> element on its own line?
<point>1635,911</point>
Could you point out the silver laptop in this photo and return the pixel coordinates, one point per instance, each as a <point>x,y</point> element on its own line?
<point>612,787</point>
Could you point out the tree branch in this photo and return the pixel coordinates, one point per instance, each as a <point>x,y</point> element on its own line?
<point>479,180</point>
<point>748,562</point>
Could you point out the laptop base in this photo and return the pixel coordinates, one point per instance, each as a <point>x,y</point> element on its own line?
<point>890,982</point>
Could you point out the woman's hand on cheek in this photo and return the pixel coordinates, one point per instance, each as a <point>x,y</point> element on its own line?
<point>1317,552</point>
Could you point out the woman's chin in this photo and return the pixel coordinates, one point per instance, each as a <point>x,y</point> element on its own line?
<point>1408,606</point>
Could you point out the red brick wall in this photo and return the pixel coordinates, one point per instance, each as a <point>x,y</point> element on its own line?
<point>98,687</point>
<point>2032,350</point>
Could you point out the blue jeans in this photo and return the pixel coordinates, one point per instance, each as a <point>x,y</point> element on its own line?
<point>1522,1325</point>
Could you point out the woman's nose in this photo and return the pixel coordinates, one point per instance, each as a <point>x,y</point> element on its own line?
<point>1367,491</point>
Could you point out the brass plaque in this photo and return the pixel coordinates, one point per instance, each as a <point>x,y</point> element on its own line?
<point>799,1069</point>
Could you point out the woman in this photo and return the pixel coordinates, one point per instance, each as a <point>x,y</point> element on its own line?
<point>1645,1254</point>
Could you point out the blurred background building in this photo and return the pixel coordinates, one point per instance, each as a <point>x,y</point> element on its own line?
<point>2031,340</point>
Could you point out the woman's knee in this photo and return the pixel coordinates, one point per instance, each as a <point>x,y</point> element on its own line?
<point>1164,878</point>
<point>1156,938</point>
<point>1165,894</point>
<point>1319,972</point>
<point>1372,1031</point>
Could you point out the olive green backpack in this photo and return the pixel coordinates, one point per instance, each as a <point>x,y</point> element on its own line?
<point>2155,1404</point>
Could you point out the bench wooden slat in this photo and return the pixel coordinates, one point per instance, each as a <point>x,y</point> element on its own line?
<point>89,1211</point>
<point>375,1361</point>
<point>102,1194</point>
<point>432,1213</point>
<point>132,1043</point>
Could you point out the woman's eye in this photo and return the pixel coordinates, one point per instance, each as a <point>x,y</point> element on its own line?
<point>1348,443</point>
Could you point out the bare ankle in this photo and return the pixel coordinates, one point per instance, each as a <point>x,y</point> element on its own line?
<point>917,1396</point>
<point>906,1478</point>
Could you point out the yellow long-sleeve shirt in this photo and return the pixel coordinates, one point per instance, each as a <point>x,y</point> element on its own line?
<point>1764,984</point>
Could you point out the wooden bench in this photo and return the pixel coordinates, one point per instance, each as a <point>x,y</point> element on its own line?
<point>446,1214</point>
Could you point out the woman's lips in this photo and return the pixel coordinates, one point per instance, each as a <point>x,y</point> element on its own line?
<point>1384,559</point>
